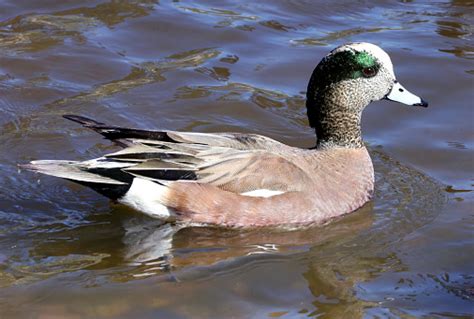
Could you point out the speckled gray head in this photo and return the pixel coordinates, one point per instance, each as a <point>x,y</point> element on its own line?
<point>343,84</point>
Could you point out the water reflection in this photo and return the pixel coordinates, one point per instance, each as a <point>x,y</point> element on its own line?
<point>457,23</point>
<point>229,17</point>
<point>37,32</point>
<point>343,34</point>
<point>284,105</point>
<point>144,73</point>
<point>114,12</point>
<point>40,32</point>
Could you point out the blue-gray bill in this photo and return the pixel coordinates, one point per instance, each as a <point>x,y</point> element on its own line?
<point>399,94</point>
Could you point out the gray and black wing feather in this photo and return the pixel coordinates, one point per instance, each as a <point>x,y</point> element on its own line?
<point>155,155</point>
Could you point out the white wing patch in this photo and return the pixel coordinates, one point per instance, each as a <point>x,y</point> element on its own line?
<point>146,197</point>
<point>262,193</point>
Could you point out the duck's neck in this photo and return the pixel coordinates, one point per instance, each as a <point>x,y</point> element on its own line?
<point>337,127</point>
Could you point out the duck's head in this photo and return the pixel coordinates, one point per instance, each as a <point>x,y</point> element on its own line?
<point>343,84</point>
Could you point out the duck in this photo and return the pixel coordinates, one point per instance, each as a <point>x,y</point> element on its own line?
<point>248,180</point>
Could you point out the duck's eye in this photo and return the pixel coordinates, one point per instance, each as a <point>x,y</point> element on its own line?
<point>369,72</point>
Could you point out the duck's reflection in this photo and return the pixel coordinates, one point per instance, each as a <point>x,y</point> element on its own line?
<point>202,246</point>
<point>333,256</point>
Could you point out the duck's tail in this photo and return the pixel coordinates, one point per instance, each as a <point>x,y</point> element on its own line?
<point>102,175</point>
<point>112,176</point>
<point>108,181</point>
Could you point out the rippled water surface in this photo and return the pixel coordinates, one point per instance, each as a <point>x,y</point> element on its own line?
<point>66,252</point>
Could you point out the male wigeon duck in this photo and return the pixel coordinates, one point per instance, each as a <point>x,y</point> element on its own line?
<point>249,180</point>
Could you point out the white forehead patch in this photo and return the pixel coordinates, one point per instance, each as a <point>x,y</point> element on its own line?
<point>370,48</point>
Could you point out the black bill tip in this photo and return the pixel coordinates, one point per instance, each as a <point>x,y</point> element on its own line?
<point>423,103</point>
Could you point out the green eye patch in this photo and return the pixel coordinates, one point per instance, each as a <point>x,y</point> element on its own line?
<point>344,65</point>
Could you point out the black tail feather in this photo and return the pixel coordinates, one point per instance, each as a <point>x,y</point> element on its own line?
<point>117,133</point>
<point>112,192</point>
<point>82,120</point>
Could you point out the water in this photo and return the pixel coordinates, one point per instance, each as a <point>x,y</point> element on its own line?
<point>232,66</point>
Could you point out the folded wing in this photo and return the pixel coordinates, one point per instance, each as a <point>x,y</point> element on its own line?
<point>233,162</point>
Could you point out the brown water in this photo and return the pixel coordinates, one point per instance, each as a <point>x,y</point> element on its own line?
<point>232,66</point>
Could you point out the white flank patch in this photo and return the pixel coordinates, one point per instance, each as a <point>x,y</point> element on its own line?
<point>262,193</point>
<point>145,196</point>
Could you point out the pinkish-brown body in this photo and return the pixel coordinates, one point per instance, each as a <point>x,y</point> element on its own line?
<point>319,185</point>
